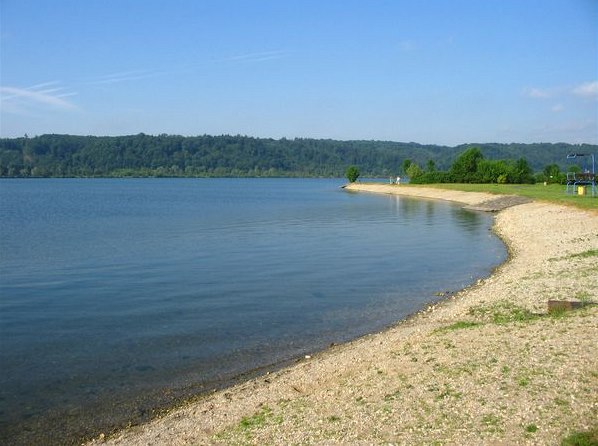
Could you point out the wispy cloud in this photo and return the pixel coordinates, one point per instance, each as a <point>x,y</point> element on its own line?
<point>557,108</point>
<point>124,76</point>
<point>139,74</point>
<point>586,90</point>
<point>49,95</point>
<point>261,56</point>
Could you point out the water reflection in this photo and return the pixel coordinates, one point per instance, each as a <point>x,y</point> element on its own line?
<point>426,211</point>
<point>468,219</point>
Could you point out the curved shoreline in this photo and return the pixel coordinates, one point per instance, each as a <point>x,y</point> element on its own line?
<point>451,374</point>
<point>467,198</point>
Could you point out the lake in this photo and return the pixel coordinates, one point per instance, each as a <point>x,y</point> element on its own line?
<point>119,297</point>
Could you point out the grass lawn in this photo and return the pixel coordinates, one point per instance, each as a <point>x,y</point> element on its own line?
<point>553,192</point>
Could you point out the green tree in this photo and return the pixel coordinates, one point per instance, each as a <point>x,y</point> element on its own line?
<point>493,171</point>
<point>405,165</point>
<point>352,174</point>
<point>465,167</point>
<point>523,172</point>
<point>552,174</point>
<point>431,166</point>
<point>414,171</point>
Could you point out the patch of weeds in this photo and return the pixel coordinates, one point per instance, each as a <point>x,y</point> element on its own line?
<point>333,419</point>
<point>503,312</point>
<point>248,424</point>
<point>468,368</point>
<point>531,428</point>
<point>579,255</point>
<point>449,393</point>
<point>583,296</point>
<point>587,438</point>
<point>457,326</point>
<point>584,254</point>
<point>505,369</point>
<point>392,396</point>
<point>445,370</point>
<point>561,402</point>
<point>259,419</point>
<point>523,381</point>
<point>492,422</point>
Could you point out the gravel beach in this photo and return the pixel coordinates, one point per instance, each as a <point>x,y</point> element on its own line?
<point>489,365</point>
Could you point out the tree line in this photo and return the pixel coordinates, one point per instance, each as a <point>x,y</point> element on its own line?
<point>243,156</point>
<point>471,167</point>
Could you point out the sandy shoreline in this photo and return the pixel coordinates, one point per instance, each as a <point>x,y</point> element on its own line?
<point>487,366</point>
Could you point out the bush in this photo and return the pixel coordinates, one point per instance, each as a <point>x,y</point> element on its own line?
<point>352,174</point>
<point>432,177</point>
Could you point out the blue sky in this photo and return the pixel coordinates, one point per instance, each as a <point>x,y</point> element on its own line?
<point>429,71</point>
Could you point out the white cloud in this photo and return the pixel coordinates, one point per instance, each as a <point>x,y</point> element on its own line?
<point>537,93</point>
<point>586,90</point>
<point>21,100</point>
<point>557,108</point>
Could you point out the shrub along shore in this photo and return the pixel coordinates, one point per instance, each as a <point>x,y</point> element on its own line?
<point>489,365</point>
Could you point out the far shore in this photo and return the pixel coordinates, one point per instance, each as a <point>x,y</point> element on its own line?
<point>489,365</point>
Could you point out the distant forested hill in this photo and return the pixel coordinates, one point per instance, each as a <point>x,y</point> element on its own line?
<point>170,155</point>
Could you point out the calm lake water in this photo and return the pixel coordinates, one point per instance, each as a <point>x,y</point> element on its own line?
<point>118,297</point>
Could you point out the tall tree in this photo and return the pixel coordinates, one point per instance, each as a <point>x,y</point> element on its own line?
<point>465,167</point>
<point>552,173</point>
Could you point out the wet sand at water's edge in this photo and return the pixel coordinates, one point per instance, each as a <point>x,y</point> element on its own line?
<point>488,365</point>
